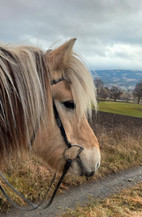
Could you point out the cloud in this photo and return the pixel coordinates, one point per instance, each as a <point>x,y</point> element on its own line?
<point>131,79</point>
<point>109,32</point>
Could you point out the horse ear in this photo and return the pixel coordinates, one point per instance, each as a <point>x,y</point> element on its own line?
<point>59,57</point>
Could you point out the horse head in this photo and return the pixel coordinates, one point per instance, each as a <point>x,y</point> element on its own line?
<point>73,93</point>
<point>32,83</point>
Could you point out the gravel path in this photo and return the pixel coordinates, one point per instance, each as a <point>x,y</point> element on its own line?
<point>99,189</point>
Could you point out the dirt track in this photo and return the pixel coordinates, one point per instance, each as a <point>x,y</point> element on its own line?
<point>99,189</point>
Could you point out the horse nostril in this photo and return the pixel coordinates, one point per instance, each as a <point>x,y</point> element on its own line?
<point>98,165</point>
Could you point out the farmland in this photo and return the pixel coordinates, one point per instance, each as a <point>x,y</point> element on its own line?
<point>128,109</point>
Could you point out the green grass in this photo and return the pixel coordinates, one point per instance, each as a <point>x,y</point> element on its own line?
<point>128,109</point>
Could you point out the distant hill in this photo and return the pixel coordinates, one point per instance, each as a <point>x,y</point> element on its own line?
<point>122,78</point>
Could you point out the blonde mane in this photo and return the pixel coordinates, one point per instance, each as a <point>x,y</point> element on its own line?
<point>24,93</point>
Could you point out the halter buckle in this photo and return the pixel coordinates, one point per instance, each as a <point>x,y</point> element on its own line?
<point>70,153</point>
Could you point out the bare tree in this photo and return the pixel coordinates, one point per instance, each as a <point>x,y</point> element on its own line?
<point>99,85</point>
<point>115,93</point>
<point>137,92</point>
<point>104,92</point>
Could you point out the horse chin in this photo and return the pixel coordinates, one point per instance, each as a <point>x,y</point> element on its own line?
<point>75,169</point>
<point>79,170</point>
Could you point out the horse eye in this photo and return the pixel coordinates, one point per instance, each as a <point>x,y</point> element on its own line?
<point>69,104</point>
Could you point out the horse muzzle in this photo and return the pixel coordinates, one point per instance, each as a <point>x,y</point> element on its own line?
<point>83,164</point>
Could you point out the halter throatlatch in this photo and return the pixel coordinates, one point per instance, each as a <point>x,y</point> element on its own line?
<point>68,163</point>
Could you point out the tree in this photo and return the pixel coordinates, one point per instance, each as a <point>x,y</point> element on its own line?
<point>126,96</point>
<point>99,86</point>
<point>137,92</point>
<point>115,93</point>
<point>104,92</point>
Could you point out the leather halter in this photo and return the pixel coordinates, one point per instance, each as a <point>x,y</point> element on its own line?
<point>65,170</point>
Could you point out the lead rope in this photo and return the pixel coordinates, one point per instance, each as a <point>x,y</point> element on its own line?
<point>66,168</point>
<point>34,206</point>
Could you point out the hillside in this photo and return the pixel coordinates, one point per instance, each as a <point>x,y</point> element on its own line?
<point>126,79</point>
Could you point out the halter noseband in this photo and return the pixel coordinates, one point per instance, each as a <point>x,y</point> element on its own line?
<point>66,167</point>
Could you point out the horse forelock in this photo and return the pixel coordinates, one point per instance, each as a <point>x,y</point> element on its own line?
<point>24,94</point>
<point>82,86</point>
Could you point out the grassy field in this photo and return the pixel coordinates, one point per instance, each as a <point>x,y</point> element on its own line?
<point>127,203</point>
<point>129,109</point>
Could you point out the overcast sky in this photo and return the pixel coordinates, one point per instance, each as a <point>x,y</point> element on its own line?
<point>109,32</point>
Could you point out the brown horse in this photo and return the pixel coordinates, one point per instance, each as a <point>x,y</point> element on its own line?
<point>29,81</point>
